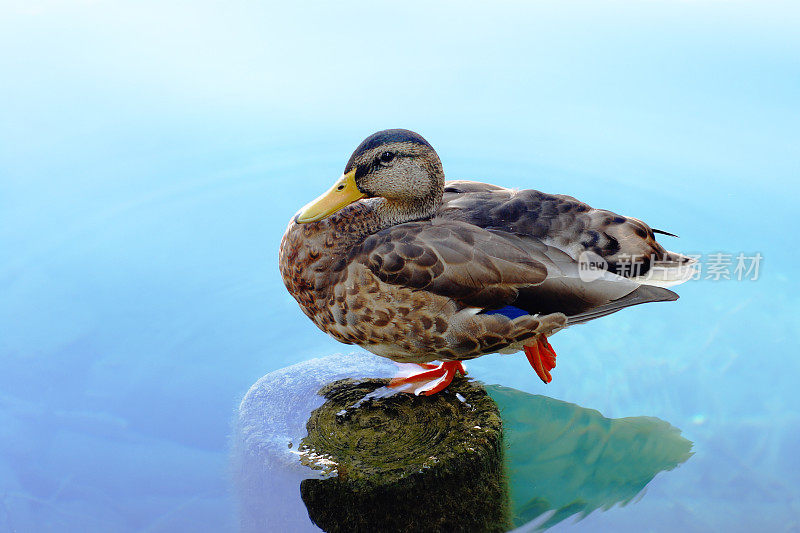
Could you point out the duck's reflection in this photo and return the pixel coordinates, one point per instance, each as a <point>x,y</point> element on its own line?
<point>558,459</point>
<point>563,459</point>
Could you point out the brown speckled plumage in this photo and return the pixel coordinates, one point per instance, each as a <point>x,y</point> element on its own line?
<point>412,278</point>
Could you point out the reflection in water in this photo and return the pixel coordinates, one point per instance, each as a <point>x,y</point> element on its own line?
<point>563,459</point>
<point>303,451</point>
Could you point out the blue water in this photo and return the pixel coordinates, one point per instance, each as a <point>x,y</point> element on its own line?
<point>152,153</point>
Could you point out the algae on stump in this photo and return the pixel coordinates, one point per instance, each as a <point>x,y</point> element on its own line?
<point>406,463</point>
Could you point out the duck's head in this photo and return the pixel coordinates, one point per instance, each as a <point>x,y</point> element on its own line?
<point>398,165</point>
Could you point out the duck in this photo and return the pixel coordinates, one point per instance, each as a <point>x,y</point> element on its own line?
<point>431,273</point>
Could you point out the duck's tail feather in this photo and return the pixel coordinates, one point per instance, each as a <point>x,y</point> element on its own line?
<point>662,232</point>
<point>673,269</point>
<point>641,295</point>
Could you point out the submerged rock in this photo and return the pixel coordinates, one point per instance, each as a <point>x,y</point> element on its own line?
<point>270,424</point>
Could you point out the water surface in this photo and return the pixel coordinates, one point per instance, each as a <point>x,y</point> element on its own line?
<point>151,155</point>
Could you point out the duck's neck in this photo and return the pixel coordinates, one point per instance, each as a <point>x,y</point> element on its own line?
<point>349,227</point>
<point>388,213</point>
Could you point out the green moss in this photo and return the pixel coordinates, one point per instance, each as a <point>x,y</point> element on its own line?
<point>406,463</point>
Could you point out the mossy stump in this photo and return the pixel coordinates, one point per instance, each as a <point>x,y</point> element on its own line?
<point>404,462</point>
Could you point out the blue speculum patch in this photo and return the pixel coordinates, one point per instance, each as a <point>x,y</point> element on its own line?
<point>508,311</point>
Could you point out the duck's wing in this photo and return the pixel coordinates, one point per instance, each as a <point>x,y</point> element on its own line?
<point>628,245</point>
<point>492,269</point>
<point>451,258</point>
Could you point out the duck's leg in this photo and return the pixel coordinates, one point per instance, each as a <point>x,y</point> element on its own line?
<point>542,357</point>
<point>429,380</point>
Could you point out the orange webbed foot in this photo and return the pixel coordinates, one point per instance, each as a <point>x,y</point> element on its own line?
<point>430,380</point>
<point>542,358</point>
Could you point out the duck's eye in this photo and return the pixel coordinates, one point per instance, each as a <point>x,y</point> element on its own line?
<point>385,158</point>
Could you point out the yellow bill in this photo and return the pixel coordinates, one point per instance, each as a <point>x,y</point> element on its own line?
<point>343,192</point>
